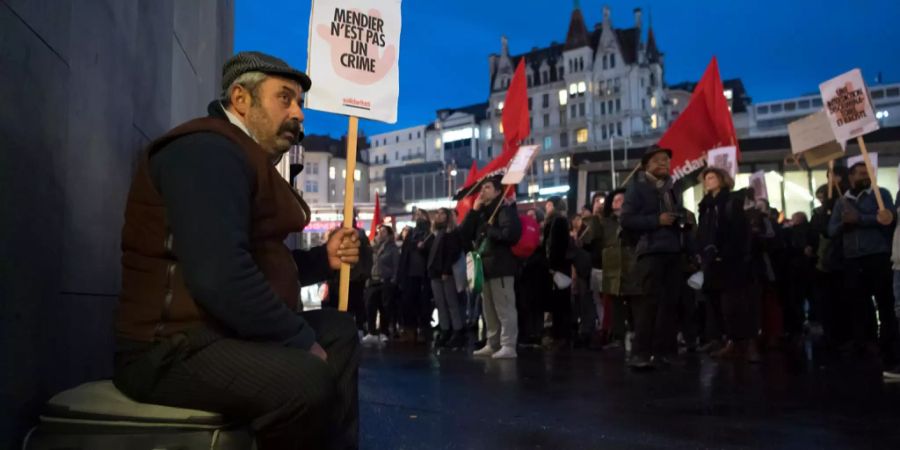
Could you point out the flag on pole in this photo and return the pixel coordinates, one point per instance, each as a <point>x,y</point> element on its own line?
<point>376,217</point>
<point>516,128</point>
<point>704,124</point>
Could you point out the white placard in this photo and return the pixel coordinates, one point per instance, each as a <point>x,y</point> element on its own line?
<point>723,158</point>
<point>853,160</point>
<point>519,164</point>
<point>758,183</point>
<point>354,55</point>
<point>813,138</point>
<point>848,107</point>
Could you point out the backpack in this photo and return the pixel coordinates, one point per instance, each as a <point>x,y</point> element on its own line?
<point>530,240</point>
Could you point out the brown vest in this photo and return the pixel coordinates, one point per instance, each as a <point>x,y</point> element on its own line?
<point>155,302</point>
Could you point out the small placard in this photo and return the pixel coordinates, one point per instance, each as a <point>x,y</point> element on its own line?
<point>519,164</point>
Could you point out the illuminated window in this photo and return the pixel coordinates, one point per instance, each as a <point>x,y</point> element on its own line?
<point>565,163</point>
<point>489,133</point>
<point>653,102</point>
<point>500,106</point>
<point>675,101</point>
<point>356,175</point>
<point>501,127</point>
<point>573,89</point>
<point>728,94</point>
<point>653,121</point>
<point>343,173</point>
<point>563,98</point>
<point>331,172</point>
<point>582,87</point>
<point>581,136</point>
<point>437,142</point>
<point>552,164</point>
<point>548,142</point>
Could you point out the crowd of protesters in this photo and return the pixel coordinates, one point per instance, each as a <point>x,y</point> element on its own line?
<point>637,270</point>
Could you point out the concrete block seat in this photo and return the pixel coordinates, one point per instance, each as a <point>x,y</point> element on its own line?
<point>96,416</point>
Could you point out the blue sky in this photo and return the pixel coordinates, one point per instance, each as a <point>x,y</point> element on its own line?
<point>778,48</point>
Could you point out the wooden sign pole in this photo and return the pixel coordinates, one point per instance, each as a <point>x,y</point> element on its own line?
<point>830,178</point>
<point>344,284</point>
<point>865,155</point>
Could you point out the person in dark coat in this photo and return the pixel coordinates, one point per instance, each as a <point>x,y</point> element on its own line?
<point>556,246</point>
<point>443,249</point>
<point>652,216</point>
<point>532,290</point>
<point>381,290</point>
<point>412,281</point>
<point>802,241</point>
<point>492,227</point>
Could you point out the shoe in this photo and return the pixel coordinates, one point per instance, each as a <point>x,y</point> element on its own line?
<point>729,351</point>
<point>638,362</point>
<point>370,339</point>
<point>383,338</point>
<point>892,374</point>
<point>457,340</point>
<point>505,353</point>
<point>711,346</point>
<point>484,351</point>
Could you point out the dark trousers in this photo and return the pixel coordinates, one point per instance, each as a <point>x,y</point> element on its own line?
<point>828,290</point>
<point>714,322</point>
<point>530,311</point>
<point>866,278</point>
<point>561,309</point>
<point>291,398</point>
<point>741,310</point>
<point>356,304</point>
<point>413,301</point>
<point>656,311</point>
<point>380,299</point>
<point>800,293</point>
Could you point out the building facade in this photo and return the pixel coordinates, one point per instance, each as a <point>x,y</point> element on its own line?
<point>396,148</point>
<point>324,173</point>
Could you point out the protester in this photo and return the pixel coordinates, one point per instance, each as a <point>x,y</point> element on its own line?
<point>532,290</point>
<point>381,290</point>
<point>865,234</point>
<point>443,249</point>
<point>802,241</point>
<point>618,281</point>
<point>412,282</point>
<point>652,216</point>
<point>492,227</point>
<point>582,301</point>
<point>557,248</point>
<point>595,248</point>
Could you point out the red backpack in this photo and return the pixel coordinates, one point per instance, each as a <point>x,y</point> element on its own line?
<point>531,237</point>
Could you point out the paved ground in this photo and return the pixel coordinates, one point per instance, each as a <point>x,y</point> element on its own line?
<point>413,399</point>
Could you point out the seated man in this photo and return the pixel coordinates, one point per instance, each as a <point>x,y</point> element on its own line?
<point>206,318</point>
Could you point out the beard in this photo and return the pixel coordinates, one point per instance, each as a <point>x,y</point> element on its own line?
<point>862,185</point>
<point>277,143</point>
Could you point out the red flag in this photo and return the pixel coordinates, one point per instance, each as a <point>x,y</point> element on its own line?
<point>376,217</point>
<point>703,125</point>
<point>473,173</point>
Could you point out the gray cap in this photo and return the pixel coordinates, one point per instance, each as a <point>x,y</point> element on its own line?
<point>244,62</point>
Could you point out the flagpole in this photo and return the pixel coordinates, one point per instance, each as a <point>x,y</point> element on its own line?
<point>344,283</point>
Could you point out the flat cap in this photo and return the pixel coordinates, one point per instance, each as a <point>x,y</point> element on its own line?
<point>244,62</point>
<point>652,150</point>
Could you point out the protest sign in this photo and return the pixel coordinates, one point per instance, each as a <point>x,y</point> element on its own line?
<point>758,183</point>
<point>354,53</point>
<point>813,138</point>
<point>723,158</point>
<point>519,165</point>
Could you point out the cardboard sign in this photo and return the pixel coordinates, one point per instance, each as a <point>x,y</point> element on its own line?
<point>723,158</point>
<point>519,164</point>
<point>758,183</point>
<point>354,54</point>
<point>853,160</point>
<point>813,138</point>
<point>848,106</point>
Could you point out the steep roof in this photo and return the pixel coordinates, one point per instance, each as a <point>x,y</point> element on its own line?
<point>577,36</point>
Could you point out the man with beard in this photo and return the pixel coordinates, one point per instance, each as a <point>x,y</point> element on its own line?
<point>206,317</point>
<point>865,232</point>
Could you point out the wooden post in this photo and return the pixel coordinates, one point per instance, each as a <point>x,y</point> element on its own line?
<point>628,178</point>
<point>830,178</point>
<point>500,203</point>
<point>865,155</point>
<point>344,285</point>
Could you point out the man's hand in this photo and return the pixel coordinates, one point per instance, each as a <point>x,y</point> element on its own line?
<point>342,247</point>
<point>317,350</point>
<point>884,217</point>
<point>666,219</point>
<point>477,204</point>
<point>850,217</point>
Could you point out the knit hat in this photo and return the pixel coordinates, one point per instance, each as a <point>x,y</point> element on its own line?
<point>245,62</point>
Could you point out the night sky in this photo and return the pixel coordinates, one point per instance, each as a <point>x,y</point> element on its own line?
<point>779,49</point>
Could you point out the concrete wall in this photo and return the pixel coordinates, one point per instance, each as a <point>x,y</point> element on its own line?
<point>83,85</point>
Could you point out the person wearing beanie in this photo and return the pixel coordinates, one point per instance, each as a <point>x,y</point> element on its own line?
<point>207,313</point>
<point>653,219</point>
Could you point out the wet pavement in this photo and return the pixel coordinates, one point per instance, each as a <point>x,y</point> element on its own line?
<point>579,399</point>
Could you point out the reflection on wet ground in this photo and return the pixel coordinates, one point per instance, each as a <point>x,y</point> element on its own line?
<point>415,399</point>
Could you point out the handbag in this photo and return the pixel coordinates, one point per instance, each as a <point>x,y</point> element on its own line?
<point>475,270</point>
<point>561,280</point>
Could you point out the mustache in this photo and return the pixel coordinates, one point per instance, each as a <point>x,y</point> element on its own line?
<point>292,126</point>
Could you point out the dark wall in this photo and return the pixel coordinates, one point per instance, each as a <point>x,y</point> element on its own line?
<point>84,85</point>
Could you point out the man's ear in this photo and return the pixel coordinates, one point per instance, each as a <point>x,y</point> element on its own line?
<point>240,99</point>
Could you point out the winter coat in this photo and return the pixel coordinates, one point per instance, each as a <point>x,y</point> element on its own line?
<point>442,250</point>
<point>497,258</point>
<point>387,259</point>
<point>643,205</point>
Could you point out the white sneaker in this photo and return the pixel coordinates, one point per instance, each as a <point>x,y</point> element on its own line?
<point>370,339</point>
<point>505,353</point>
<point>484,351</point>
